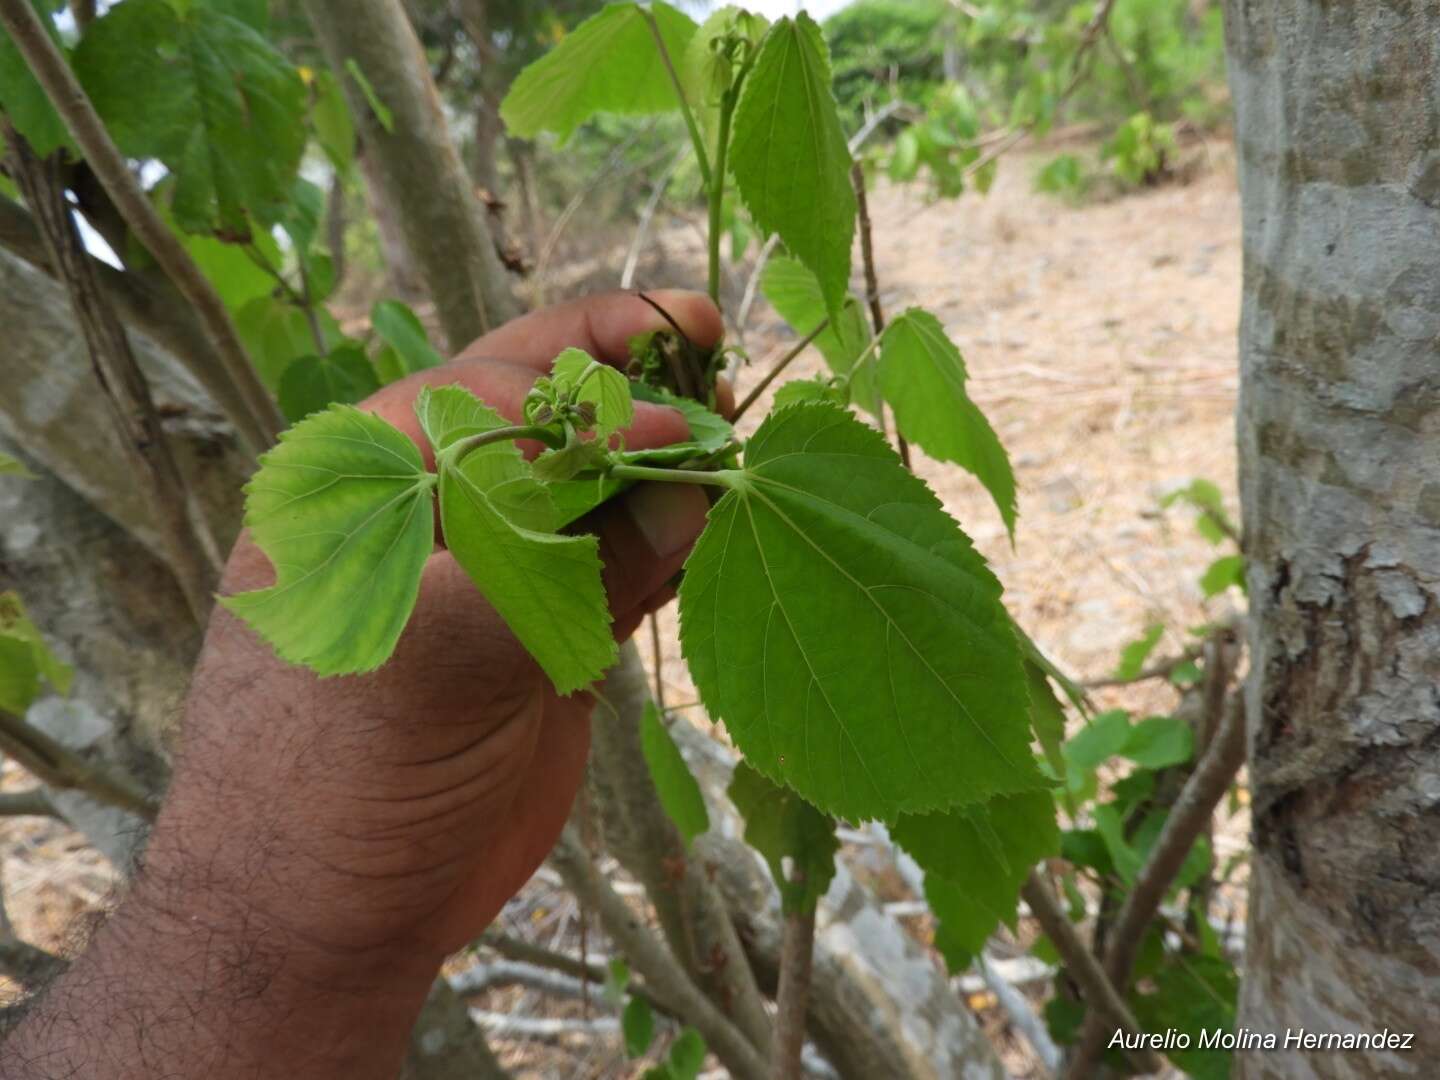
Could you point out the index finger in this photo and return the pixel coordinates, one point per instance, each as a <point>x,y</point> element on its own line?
<point>602,325</point>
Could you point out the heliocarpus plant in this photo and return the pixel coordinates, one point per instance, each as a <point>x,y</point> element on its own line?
<point>834,617</point>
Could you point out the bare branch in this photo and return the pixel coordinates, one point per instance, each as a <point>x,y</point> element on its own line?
<point>779,366</point>
<point>1100,993</point>
<point>261,421</point>
<point>650,957</point>
<point>797,955</point>
<point>60,767</point>
<point>192,553</point>
<point>872,285</point>
<point>33,802</point>
<point>537,956</point>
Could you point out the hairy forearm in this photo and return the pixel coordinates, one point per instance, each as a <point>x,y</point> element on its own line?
<point>191,978</point>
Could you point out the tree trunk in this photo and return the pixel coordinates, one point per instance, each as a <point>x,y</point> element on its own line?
<point>416,162</point>
<point>1338,132</point>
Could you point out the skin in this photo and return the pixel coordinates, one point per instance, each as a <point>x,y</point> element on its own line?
<point>325,844</point>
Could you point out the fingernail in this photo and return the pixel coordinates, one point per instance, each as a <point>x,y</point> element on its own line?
<point>669,516</point>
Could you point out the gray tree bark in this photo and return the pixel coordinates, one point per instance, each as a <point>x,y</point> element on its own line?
<point>1338,132</point>
<point>418,167</point>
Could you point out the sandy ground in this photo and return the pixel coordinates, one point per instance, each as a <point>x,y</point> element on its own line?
<point>1100,341</point>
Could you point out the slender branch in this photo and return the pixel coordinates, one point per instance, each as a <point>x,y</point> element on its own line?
<point>261,421</point>
<point>57,765</point>
<point>647,215</point>
<point>1161,669</point>
<point>1022,1017</point>
<point>1191,814</point>
<point>1099,992</point>
<point>537,956</point>
<point>657,661</point>
<point>650,957</point>
<point>32,802</point>
<point>702,159</point>
<point>192,553</point>
<point>872,286</point>
<point>716,191</point>
<point>797,957</point>
<point>780,365</point>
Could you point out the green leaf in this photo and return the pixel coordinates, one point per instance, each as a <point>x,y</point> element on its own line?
<point>1111,827</point>
<point>708,70</point>
<point>637,1023</point>
<point>617,978</point>
<point>314,383</point>
<point>797,840</point>
<point>230,268</point>
<point>1134,655</point>
<point>1159,741</point>
<point>789,155</point>
<point>341,507</point>
<point>1098,741</point>
<point>1193,994</point>
<point>708,429</point>
<point>813,612</point>
<point>795,294</point>
<point>332,123</point>
<point>609,63</point>
<point>25,659</point>
<point>975,859</point>
<point>277,333</point>
<point>10,466</point>
<point>208,96</point>
<point>1047,717</point>
<point>678,791</point>
<point>601,385</point>
<point>382,112</point>
<point>923,378</point>
<point>800,391</point>
<point>687,1055</point>
<point>401,329</point>
<point>1222,574</point>
<point>22,97</point>
<point>498,523</point>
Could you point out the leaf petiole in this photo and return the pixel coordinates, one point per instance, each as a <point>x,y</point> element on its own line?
<point>726,478</point>
<point>702,160</point>
<point>456,451</point>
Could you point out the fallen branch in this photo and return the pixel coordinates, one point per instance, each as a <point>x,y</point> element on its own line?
<point>260,420</point>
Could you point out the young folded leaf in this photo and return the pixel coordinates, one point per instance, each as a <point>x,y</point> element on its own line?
<point>789,154</point>
<point>922,375</point>
<point>609,63</point>
<point>342,508</point>
<point>846,632</point>
<point>781,825</point>
<point>601,385</point>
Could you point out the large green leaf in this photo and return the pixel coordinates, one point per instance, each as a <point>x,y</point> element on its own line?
<point>676,786</point>
<point>498,523</point>
<point>922,375</point>
<point>206,94</point>
<point>975,859</point>
<point>789,155</point>
<point>846,632</point>
<point>609,63</point>
<point>23,99</point>
<point>342,509</point>
<point>786,829</point>
<point>402,331</point>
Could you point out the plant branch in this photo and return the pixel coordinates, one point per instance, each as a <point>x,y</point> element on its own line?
<point>780,365</point>
<point>1082,966</point>
<point>872,286</point>
<point>797,957</point>
<point>538,958</point>
<point>458,450</point>
<point>650,957</point>
<point>192,553</point>
<point>57,765</point>
<point>724,478</point>
<point>261,421</point>
<point>33,802</point>
<point>1190,815</point>
<point>716,191</point>
<point>697,140</point>
<point>647,215</point>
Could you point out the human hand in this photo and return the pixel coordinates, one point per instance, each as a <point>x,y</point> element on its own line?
<point>398,811</point>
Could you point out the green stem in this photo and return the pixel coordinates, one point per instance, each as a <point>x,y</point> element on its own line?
<point>456,451</point>
<point>717,189</point>
<point>721,478</point>
<point>702,160</point>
